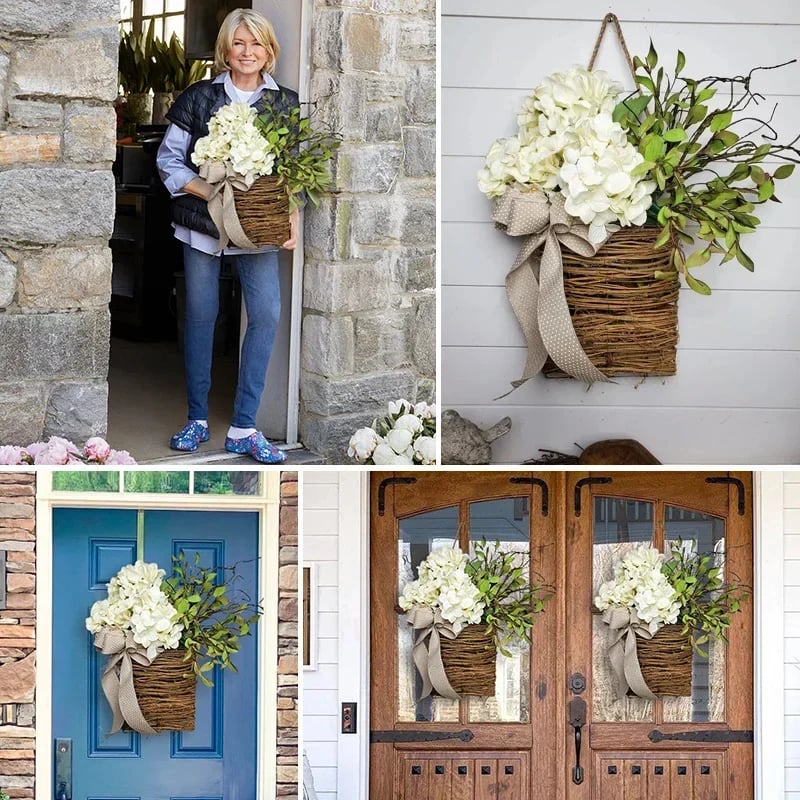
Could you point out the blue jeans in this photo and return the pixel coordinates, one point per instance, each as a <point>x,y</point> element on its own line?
<point>258,275</point>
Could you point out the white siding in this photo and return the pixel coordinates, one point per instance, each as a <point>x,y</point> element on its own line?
<point>791,617</point>
<point>736,397</point>
<point>320,521</point>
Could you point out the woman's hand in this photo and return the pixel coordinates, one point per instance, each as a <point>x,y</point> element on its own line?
<point>294,224</point>
<point>198,187</point>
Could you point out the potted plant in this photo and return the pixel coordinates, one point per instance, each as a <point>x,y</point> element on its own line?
<point>660,610</point>
<point>406,435</point>
<point>172,73</point>
<point>261,165</point>
<point>464,611</point>
<point>136,74</point>
<point>161,636</point>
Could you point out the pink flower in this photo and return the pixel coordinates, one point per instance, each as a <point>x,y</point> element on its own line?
<point>34,449</point>
<point>97,449</point>
<point>12,456</point>
<point>53,453</point>
<point>60,441</point>
<point>119,457</point>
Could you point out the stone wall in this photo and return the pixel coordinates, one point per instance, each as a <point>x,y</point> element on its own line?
<point>369,323</point>
<point>287,641</point>
<point>17,634</point>
<point>58,79</point>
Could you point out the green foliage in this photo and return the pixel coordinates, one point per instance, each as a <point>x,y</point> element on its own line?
<point>303,152</point>
<point>84,480</point>
<point>171,72</point>
<point>707,599</point>
<point>213,620</point>
<point>136,63</point>
<point>707,168</point>
<point>3,795</point>
<point>511,600</point>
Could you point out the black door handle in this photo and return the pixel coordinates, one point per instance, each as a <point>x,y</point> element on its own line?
<point>577,719</point>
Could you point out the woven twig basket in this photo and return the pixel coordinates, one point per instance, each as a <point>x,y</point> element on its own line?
<point>666,661</point>
<point>166,691</point>
<point>626,319</point>
<point>469,661</point>
<point>263,211</point>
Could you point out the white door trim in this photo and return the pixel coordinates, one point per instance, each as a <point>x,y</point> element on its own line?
<point>268,507</point>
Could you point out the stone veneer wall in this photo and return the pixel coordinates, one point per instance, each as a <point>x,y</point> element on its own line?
<point>58,79</point>
<point>18,634</point>
<point>369,324</point>
<point>288,772</point>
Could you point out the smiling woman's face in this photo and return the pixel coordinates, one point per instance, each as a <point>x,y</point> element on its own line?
<point>247,56</point>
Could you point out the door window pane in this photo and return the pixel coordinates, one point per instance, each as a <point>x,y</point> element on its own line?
<point>85,480</point>
<point>707,703</point>
<point>619,526</point>
<point>227,482</point>
<point>506,521</point>
<point>418,536</point>
<point>161,482</point>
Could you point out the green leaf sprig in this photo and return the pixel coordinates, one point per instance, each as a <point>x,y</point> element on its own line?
<point>171,70</point>
<point>707,599</point>
<point>3,795</point>
<point>511,600</point>
<point>136,60</point>
<point>303,152</point>
<point>213,620</point>
<point>707,169</point>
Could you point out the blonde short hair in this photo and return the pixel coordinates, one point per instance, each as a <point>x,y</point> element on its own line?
<point>257,24</point>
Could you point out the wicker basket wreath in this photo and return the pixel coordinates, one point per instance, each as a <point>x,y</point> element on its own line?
<point>470,661</point>
<point>666,662</point>
<point>166,691</point>
<point>263,211</point>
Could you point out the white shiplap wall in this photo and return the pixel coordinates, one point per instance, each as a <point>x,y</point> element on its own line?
<point>736,397</point>
<point>791,550</point>
<point>320,526</point>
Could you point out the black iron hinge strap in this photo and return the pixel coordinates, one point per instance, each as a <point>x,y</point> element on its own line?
<point>420,736</point>
<point>739,488</point>
<point>543,486</point>
<point>586,482</point>
<point>702,736</point>
<point>382,491</point>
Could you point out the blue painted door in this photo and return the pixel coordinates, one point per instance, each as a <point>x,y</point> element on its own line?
<point>217,760</point>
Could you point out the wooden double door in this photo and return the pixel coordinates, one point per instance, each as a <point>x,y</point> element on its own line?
<point>555,729</point>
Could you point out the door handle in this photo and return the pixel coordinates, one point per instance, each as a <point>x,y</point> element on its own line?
<point>577,719</point>
<point>63,771</point>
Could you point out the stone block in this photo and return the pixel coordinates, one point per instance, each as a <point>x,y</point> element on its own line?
<point>287,610</point>
<point>404,6</point>
<point>21,412</point>
<point>384,88</point>
<point>327,43</point>
<point>419,271</point>
<point>8,281</point>
<point>358,393</point>
<point>52,204</point>
<point>4,62</point>
<point>20,583</point>
<point>418,39</point>
<point>421,92</point>
<point>37,114</point>
<point>426,390</point>
<point>419,222</point>
<point>330,436</point>
<point>29,148</point>
<point>328,344</point>
<point>287,577</point>
<point>77,411</point>
<point>383,340</point>
<point>369,42</point>
<point>65,277</point>
<point>341,103</point>
<point>81,67</point>
<point>31,16</point>
<point>18,680</point>
<point>346,286</point>
<point>327,229</point>
<point>47,346</point>
<point>419,147</point>
<point>368,168</point>
<point>377,220</point>
<point>383,123</point>
<point>89,133</point>
<point>425,335</point>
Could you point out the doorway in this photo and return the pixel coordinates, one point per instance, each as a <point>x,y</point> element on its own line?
<point>524,743</point>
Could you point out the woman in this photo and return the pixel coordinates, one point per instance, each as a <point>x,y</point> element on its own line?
<point>244,56</point>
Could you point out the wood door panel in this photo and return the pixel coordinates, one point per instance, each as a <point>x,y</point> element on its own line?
<point>511,778</point>
<point>609,736</point>
<point>462,777</point>
<point>485,779</point>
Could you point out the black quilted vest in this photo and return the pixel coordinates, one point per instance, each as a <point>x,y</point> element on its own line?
<point>191,111</point>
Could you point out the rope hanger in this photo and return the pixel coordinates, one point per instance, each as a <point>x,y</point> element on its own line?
<point>615,21</point>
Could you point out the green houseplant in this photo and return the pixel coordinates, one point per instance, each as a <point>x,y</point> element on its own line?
<point>136,73</point>
<point>172,72</point>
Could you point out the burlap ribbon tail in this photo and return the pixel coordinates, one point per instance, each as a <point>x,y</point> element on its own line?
<point>117,680</point>
<point>222,205</point>
<point>624,626</point>
<point>535,283</point>
<point>429,627</point>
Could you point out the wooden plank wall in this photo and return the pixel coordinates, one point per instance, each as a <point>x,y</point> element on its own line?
<point>736,397</point>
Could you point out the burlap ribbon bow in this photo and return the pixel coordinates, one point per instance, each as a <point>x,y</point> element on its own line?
<point>535,284</point>
<point>221,203</point>
<point>117,680</point>
<point>624,626</point>
<point>430,626</point>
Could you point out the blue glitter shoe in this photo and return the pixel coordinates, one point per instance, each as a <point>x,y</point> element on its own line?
<point>257,446</point>
<point>190,437</point>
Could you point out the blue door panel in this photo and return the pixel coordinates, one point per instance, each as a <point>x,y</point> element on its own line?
<point>215,760</point>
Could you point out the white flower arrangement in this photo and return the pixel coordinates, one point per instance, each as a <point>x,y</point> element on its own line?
<point>136,603</point>
<point>568,142</point>
<point>407,435</point>
<point>639,583</point>
<point>234,139</point>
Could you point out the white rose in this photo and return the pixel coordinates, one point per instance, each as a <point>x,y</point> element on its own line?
<point>384,454</point>
<point>425,449</point>
<point>362,444</point>
<point>399,439</point>
<point>401,406</point>
<point>408,422</point>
